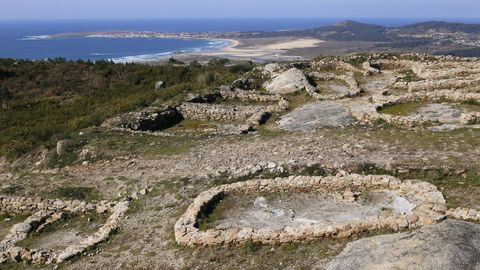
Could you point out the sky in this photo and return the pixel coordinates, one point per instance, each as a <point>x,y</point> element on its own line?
<point>110,9</point>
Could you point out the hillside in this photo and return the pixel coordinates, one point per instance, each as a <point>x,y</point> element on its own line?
<point>286,165</point>
<point>44,101</point>
<point>440,26</point>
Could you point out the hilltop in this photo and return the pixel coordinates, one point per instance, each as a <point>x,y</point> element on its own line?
<point>213,165</point>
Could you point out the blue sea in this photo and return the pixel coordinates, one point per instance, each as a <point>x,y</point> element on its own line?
<point>13,42</point>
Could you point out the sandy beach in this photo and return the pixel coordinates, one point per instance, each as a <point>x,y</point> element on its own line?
<point>264,52</point>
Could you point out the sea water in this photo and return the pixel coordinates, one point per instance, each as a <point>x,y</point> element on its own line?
<point>15,41</point>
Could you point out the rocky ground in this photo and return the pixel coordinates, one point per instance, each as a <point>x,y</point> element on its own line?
<point>321,117</point>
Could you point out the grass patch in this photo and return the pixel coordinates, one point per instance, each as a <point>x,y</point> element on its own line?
<point>403,108</point>
<point>298,100</point>
<point>214,212</point>
<point>270,131</point>
<point>77,193</point>
<point>410,76</point>
<point>190,125</point>
<point>12,190</point>
<point>8,220</point>
<point>115,143</point>
<point>473,102</point>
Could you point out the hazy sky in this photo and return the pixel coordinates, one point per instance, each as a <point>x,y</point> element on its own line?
<point>78,9</point>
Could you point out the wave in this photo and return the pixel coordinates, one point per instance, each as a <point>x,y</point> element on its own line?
<point>141,57</point>
<point>211,46</point>
<point>41,37</point>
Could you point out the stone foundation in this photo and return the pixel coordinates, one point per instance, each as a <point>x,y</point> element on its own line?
<point>47,211</point>
<point>150,119</point>
<point>464,213</point>
<point>430,208</point>
<point>354,89</point>
<point>201,111</point>
<point>373,113</point>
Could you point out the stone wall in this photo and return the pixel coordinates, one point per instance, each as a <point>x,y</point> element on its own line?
<point>249,96</point>
<point>464,213</point>
<point>348,78</point>
<point>219,112</point>
<point>251,116</point>
<point>430,208</point>
<point>150,119</point>
<point>380,101</point>
<point>335,64</point>
<point>471,82</point>
<point>369,70</point>
<point>47,211</point>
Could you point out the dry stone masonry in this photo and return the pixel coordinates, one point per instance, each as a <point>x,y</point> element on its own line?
<point>429,208</point>
<point>348,78</point>
<point>48,211</point>
<point>381,101</point>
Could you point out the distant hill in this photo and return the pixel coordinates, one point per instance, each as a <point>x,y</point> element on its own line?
<point>435,37</point>
<point>351,30</point>
<point>358,31</point>
<point>352,26</point>
<point>342,31</point>
<point>441,26</point>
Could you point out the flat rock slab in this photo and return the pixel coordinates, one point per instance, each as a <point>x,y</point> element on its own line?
<point>444,113</point>
<point>449,245</point>
<point>333,88</point>
<point>280,210</point>
<point>316,115</point>
<point>58,240</point>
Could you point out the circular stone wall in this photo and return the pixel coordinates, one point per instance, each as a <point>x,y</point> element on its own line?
<point>48,211</point>
<point>429,207</point>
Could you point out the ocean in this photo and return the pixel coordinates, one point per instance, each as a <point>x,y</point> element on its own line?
<point>14,44</point>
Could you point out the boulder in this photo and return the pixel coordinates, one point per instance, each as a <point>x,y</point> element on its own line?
<point>272,69</point>
<point>449,245</point>
<point>207,98</point>
<point>316,115</point>
<point>150,119</point>
<point>159,85</point>
<point>63,146</point>
<point>243,83</point>
<point>288,82</point>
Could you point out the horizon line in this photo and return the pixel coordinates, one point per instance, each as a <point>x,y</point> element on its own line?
<point>237,18</point>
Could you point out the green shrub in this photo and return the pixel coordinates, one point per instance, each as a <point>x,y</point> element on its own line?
<point>41,101</point>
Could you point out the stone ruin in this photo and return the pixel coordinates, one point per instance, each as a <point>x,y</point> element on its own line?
<point>203,107</point>
<point>414,204</point>
<point>237,108</point>
<point>48,211</point>
<point>439,80</point>
<point>341,80</point>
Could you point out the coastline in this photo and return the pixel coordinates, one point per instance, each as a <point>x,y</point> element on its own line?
<point>261,50</point>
